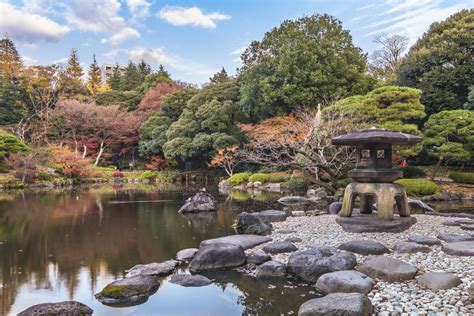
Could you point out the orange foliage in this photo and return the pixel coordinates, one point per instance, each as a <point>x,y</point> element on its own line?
<point>157,163</point>
<point>153,98</point>
<point>68,162</point>
<point>227,158</point>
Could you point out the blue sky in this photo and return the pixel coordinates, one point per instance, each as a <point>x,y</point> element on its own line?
<point>194,39</point>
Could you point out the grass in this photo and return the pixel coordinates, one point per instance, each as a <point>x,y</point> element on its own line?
<point>419,187</point>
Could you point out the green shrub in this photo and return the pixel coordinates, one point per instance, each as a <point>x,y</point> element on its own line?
<point>294,184</point>
<point>411,172</point>
<point>239,178</point>
<point>261,177</point>
<point>342,183</point>
<point>44,176</point>
<point>278,177</point>
<point>462,177</point>
<point>419,187</point>
<point>149,175</point>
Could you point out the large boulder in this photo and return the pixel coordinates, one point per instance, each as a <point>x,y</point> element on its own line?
<point>460,248</point>
<point>186,254</point>
<point>388,269</point>
<point>279,247</point>
<point>154,268</point>
<point>348,281</point>
<point>410,247</point>
<point>439,280</point>
<point>364,247</point>
<point>200,202</point>
<point>247,223</point>
<point>424,240</point>
<point>244,241</point>
<point>271,269</point>
<point>67,308</point>
<point>310,264</point>
<point>448,237</point>
<point>188,280</point>
<point>216,257</point>
<point>271,215</point>
<point>337,304</point>
<point>129,291</point>
<point>258,257</point>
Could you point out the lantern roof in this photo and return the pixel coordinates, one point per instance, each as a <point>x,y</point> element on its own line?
<point>375,135</point>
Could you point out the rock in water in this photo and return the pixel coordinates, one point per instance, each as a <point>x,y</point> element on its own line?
<point>249,224</point>
<point>188,280</point>
<point>310,264</point>
<point>364,247</point>
<point>217,256</point>
<point>271,269</point>
<point>186,254</point>
<point>271,215</point>
<point>244,241</point>
<point>439,280</point>
<point>337,304</point>
<point>410,247</point>
<point>258,257</point>
<point>416,206</point>
<point>154,268</point>
<point>200,202</point>
<point>279,247</point>
<point>129,291</point>
<point>67,308</point>
<point>424,240</point>
<point>293,200</point>
<point>460,248</point>
<point>388,269</point>
<point>349,281</point>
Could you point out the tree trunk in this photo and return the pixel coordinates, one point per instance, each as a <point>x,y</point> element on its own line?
<point>435,170</point>
<point>101,150</point>
<point>84,153</point>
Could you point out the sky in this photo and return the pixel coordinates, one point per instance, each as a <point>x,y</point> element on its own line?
<point>194,39</point>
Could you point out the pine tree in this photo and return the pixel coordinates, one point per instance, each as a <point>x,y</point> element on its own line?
<point>71,78</point>
<point>144,69</point>
<point>220,77</point>
<point>130,78</point>
<point>10,60</point>
<point>94,83</point>
<point>162,74</point>
<point>115,79</point>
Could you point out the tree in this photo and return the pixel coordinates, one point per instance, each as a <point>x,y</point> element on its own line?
<point>391,107</point>
<point>226,158</point>
<point>449,136</point>
<point>12,102</point>
<point>387,59</point>
<point>131,78</point>
<point>94,83</point>
<point>71,78</point>
<point>441,65</point>
<point>10,144</point>
<point>220,77</point>
<point>469,105</point>
<point>68,162</point>
<point>10,60</point>
<point>144,69</point>
<point>155,96</point>
<point>304,62</point>
<point>116,78</point>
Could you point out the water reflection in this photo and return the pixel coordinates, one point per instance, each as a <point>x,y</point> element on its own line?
<point>68,245</point>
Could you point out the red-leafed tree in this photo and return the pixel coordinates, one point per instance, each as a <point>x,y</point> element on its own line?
<point>153,98</point>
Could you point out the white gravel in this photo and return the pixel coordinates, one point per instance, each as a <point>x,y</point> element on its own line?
<point>406,298</point>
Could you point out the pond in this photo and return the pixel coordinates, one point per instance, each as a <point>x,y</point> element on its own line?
<point>57,246</point>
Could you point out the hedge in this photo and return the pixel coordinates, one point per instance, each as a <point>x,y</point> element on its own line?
<point>260,177</point>
<point>463,177</point>
<point>419,187</point>
<point>239,178</point>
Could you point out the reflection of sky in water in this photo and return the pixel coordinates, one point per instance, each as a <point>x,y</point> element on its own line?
<point>171,299</point>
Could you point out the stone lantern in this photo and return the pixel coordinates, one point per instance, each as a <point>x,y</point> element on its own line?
<point>374,175</point>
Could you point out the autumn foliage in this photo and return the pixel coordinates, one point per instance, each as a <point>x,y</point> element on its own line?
<point>226,158</point>
<point>155,96</point>
<point>69,163</point>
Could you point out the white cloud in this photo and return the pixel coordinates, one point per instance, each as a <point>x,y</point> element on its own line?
<point>191,16</point>
<point>154,56</point>
<point>29,28</point>
<point>100,16</point>
<point>139,8</point>
<point>114,52</point>
<point>28,61</point>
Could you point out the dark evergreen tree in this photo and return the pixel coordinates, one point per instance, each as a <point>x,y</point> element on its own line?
<point>94,83</point>
<point>130,77</point>
<point>10,60</point>
<point>220,77</point>
<point>114,81</point>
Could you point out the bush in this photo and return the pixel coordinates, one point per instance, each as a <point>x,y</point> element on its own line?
<point>278,177</point>
<point>239,178</point>
<point>43,176</point>
<point>294,184</point>
<point>261,177</point>
<point>342,183</point>
<point>411,172</point>
<point>149,175</point>
<point>419,187</point>
<point>462,177</point>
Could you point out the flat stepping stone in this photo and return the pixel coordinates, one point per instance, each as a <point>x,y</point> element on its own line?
<point>61,308</point>
<point>186,254</point>
<point>345,282</point>
<point>216,257</point>
<point>439,280</point>
<point>286,231</point>
<point>244,241</point>
<point>335,304</point>
<point>460,248</point>
<point>271,269</point>
<point>258,257</point>
<point>448,237</point>
<point>294,239</point>
<point>188,280</point>
<point>279,247</point>
<point>364,247</point>
<point>371,223</point>
<point>154,268</point>
<point>410,247</point>
<point>388,269</point>
<point>467,227</point>
<point>424,240</point>
<point>312,263</point>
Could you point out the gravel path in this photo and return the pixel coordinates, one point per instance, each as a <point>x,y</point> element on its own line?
<point>405,297</point>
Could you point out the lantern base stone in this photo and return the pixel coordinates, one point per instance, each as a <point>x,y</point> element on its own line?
<point>371,223</point>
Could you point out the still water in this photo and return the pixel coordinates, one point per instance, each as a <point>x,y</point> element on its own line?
<point>57,246</point>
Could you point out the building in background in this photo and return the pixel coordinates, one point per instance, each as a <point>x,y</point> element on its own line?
<point>107,70</point>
